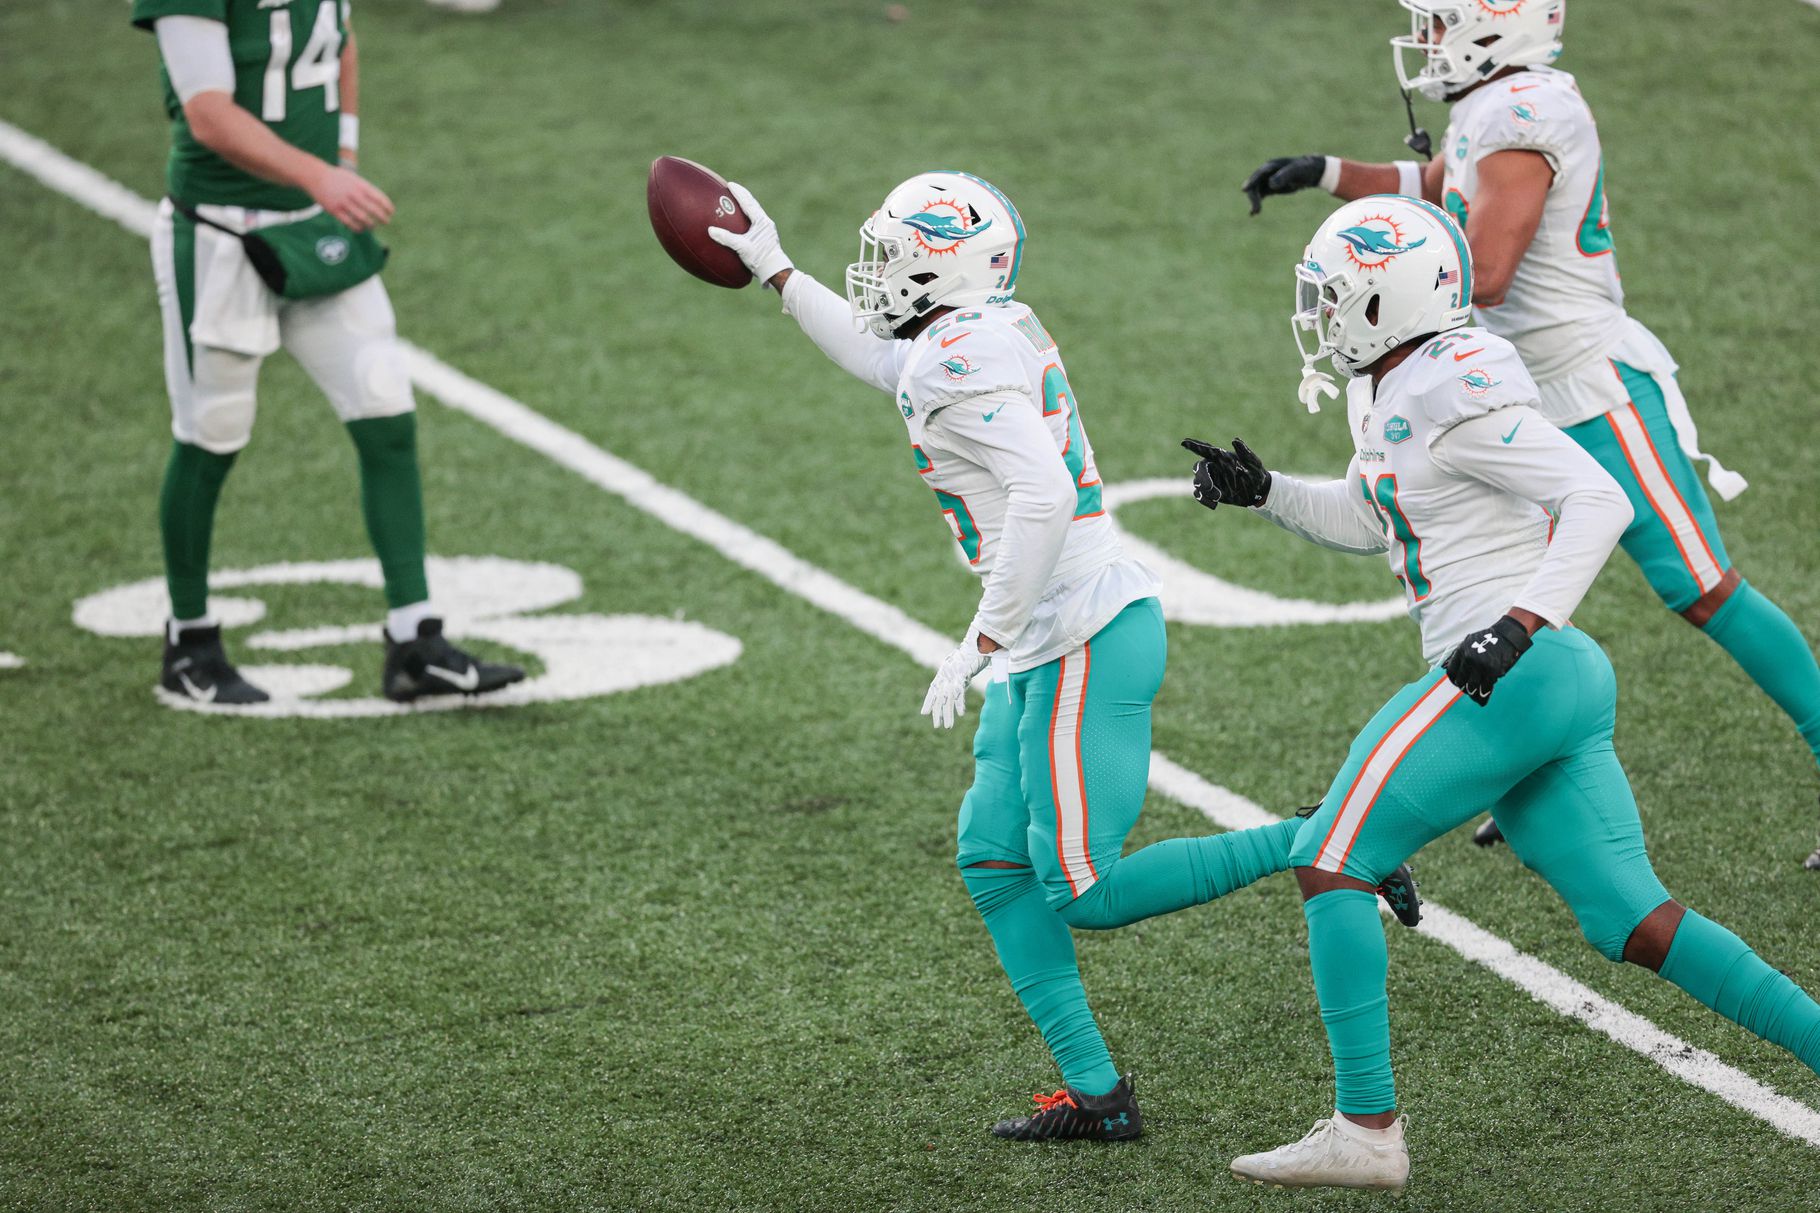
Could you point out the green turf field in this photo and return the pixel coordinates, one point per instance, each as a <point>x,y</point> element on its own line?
<point>700,945</point>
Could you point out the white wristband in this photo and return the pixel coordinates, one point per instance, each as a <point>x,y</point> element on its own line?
<point>350,132</point>
<point>1409,178</point>
<point>1330,174</point>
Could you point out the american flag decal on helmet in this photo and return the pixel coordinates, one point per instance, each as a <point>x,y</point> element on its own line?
<point>1448,278</point>
<point>1554,18</point>
<point>1000,261</point>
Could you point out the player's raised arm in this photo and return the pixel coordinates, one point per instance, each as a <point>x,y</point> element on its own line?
<point>1345,179</point>
<point>1329,513</point>
<point>826,317</point>
<point>201,68</point>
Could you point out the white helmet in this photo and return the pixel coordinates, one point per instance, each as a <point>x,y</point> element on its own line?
<point>1478,38</point>
<point>1380,272</point>
<point>940,239</point>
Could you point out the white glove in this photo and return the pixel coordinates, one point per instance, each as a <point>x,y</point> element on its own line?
<point>1315,384</point>
<point>757,246</point>
<point>947,697</point>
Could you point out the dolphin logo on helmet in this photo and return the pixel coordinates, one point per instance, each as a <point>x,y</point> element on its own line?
<point>1367,241</point>
<point>943,227</point>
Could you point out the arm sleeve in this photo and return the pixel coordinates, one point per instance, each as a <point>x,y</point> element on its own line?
<point>196,56</point>
<point>1539,463</point>
<point>1333,513</point>
<point>828,321</point>
<point>1017,448</point>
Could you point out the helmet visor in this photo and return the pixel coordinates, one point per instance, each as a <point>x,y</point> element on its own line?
<point>867,292</point>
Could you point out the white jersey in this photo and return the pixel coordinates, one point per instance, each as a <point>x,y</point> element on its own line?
<point>1478,502</point>
<point>1565,306</point>
<point>996,435</point>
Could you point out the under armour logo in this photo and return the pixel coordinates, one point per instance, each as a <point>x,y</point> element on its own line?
<point>1108,1123</point>
<point>1484,642</point>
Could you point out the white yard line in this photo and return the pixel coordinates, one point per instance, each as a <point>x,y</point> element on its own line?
<point>886,623</point>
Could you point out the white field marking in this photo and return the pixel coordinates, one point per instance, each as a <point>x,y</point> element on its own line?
<point>886,623</point>
<point>11,661</point>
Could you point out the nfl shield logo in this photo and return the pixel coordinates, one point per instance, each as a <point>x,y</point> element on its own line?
<point>1396,430</point>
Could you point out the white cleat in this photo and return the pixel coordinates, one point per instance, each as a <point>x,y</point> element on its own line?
<point>1336,1154</point>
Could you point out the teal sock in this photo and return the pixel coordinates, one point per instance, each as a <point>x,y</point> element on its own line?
<point>1346,950</point>
<point>1720,970</point>
<point>1037,953</point>
<point>186,520</point>
<point>1182,872</point>
<point>391,497</point>
<point>1765,641</point>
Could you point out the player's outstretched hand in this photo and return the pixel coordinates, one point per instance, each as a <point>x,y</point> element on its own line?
<point>947,697</point>
<point>1283,175</point>
<point>758,245</point>
<point>1486,656</point>
<point>1237,476</point>
<point>351,198</point>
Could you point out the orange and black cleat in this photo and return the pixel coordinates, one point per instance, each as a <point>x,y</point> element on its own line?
<point>1070,1115</point>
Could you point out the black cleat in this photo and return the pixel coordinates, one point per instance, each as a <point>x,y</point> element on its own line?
<point>430,665</point>
<point>196,667</point>
<point>1399,891</point>
<point>1489,835</point>
<point>1068,1115</point>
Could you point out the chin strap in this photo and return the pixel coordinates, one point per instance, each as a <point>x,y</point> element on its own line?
<point>1417,138</point>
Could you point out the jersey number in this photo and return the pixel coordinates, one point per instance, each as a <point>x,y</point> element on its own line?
<point>1382,498</point>
<point>1058,397</point>
<point>1595,226</point>
<point>319,66</point>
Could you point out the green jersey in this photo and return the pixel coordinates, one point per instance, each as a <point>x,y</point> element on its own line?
<point>287,73</point>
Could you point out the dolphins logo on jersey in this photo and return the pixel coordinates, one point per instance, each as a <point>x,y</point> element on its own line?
<point>943,224</point>
<point>1525,114</point>
<point>1477,382</point>
<point>957,368</point>
<point>1374,241</point>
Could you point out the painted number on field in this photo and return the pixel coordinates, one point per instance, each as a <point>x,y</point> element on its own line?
<point>485,599</point>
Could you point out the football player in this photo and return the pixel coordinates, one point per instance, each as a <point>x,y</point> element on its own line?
<point>1495,523</point>
<point>262,96</point>
<point>1069,624</point>
<point>1521,169</point>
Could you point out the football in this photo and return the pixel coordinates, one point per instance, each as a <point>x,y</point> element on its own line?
<point>687,199</point>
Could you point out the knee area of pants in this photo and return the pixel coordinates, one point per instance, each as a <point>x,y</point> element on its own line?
<point>1090,911</point>
<point>1608,932</point>
<point>993,888</point>
<point>223,398</point>
<point>382,387</point>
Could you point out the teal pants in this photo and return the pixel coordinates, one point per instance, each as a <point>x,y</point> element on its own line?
<point>1675,540</point>
<point>1541,754</point>
<point>1061,766</point>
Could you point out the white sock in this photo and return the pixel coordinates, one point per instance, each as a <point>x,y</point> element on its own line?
<point>183,625</point>
<point>401,623</point>
<point>1377,1137</point>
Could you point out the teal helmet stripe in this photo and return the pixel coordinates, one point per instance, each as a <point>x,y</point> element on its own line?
<point>1017,221</point>
<point>1459,243</point>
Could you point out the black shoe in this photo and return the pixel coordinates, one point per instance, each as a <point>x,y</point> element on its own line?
<point>1398,889</point>
<point>196,667</point>
<point>1069,1115</point>
<point>430,665</point>
<point>1489,835</point>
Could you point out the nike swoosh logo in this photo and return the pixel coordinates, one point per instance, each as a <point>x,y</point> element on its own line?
<point>1523,88</point>
<point>1513,431</point>
<point>989,416</point>
<point>467,680</point>
<point>195,691</point>
<point>1468,354</point>
<point>948,341</point>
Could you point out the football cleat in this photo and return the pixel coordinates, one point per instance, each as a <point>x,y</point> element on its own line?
<point>1335,1154</point>
<point>1069,1115</point>
<point>1488,834</point>
<point>196,667</point>
<point>1399,892</point>
<point>1812,862</point>
<point>430,665</point>
<point>1398,889</point>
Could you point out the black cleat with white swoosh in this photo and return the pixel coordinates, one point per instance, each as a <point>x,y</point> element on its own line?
<point>196,667</point>
<point>430,665</point>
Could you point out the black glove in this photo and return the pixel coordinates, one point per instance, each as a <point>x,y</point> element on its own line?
<point>1235,476</point>
<point>1284,175</point>
<point>1484,657</point>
